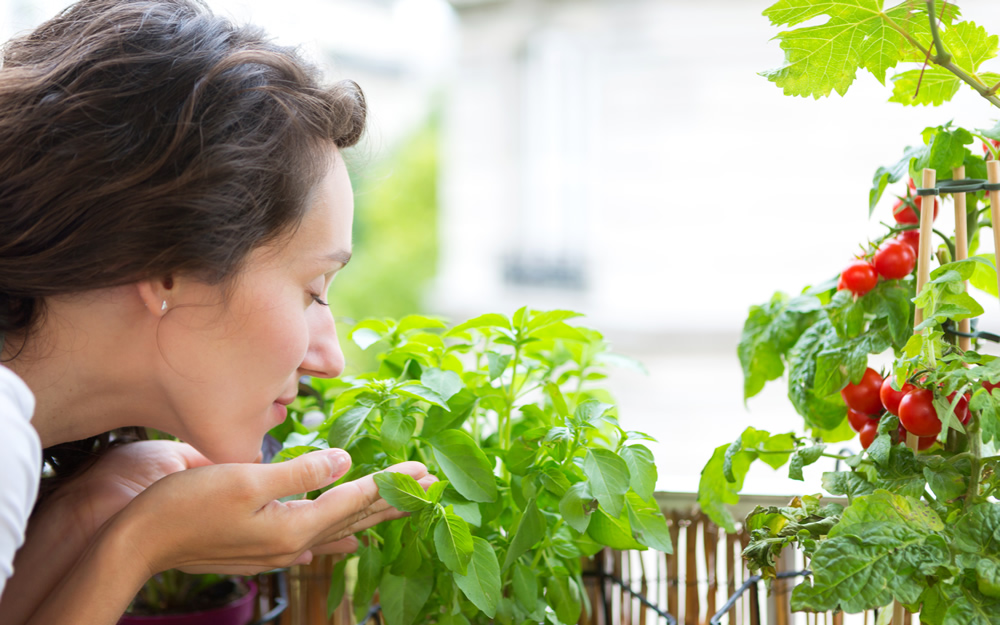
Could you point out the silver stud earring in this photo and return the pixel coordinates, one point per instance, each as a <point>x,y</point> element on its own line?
<point>164,305</point>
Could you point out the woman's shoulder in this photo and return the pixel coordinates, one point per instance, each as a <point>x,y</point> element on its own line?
<point>16,400</point>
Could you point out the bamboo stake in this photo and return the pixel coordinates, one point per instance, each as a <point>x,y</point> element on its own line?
<point>923,267</point>
<point>962,250</point>
<point>993,169</point>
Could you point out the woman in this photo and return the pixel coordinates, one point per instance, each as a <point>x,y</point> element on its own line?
<point>173,208</point>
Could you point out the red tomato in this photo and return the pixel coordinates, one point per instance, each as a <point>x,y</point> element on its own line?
<point>890,397</point>
<point>895,260</point>
<point>911,238</point>
<point>917,413</point>
<point>925,442</point>
<point>990,386</point>
<point>858,278</point>
<point>986,150</point>
<point>859,420</point>
<point>868,434</point>
<point>961,408</point>
<point>904,213</point>
<point>863,396</point>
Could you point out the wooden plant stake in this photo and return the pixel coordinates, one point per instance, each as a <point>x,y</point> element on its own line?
<point>962,251</point>
<point>923,265</point>
<point>993,170</point>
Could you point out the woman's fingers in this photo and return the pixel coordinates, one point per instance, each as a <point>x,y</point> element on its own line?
<point>352,500</point>
<point>306,473</point>
<point>345,545</point>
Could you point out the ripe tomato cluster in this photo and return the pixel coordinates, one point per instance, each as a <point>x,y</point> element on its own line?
<point>895,258</point>
<point>873,397</point>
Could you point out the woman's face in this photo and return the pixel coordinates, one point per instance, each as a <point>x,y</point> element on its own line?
<point>231,366</point>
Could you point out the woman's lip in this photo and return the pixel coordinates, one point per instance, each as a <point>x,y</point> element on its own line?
<point>280,411</point>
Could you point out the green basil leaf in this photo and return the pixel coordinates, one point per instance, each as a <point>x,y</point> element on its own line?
<point>465,465</point>
<point>481,583</point>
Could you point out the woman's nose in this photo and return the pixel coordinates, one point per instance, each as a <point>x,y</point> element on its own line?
<point>324,358</point>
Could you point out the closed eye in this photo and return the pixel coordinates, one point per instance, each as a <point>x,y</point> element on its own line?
<point>318,299</point>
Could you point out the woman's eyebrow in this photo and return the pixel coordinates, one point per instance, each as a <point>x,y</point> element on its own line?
<point>341,256</point>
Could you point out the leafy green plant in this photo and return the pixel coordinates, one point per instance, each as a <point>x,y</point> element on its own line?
<point>536,471</point>
<point>922,524</point>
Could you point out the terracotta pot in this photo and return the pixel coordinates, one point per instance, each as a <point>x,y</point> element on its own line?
<point>238,612</point>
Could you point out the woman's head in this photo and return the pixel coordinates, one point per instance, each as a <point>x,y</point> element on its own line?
<point>148,138</point>
<point>151,144</point>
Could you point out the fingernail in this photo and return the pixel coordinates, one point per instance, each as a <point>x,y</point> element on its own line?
<point>339,460</point>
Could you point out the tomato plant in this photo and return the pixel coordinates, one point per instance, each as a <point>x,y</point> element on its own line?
<point>535,469</point>
<point>920,523</point>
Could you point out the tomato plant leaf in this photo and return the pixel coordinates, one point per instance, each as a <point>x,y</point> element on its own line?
<point>346,426</point>
<point>481,583</point>
<point>453,541</point>
<point>609,478</point>
<point>641,469</point>
<point>803,458</point>
<point>402,598</point>
<point>768,333</point>
<point>401,491</point>
<point>464,464</point>
<point>848,483</point>
<point>530,530</point>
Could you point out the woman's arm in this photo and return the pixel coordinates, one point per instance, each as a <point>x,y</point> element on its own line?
<point>224,518</point>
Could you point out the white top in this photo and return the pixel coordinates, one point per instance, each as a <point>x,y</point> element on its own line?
<point>20,467</point>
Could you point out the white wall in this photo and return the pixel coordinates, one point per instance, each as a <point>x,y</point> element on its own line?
<point>704,189</point>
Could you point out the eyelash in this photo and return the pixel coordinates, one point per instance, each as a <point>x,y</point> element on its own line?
<point>316,298</point>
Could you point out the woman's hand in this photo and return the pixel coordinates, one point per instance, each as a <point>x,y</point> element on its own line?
<point>228,518</point>
<point>62,526</point>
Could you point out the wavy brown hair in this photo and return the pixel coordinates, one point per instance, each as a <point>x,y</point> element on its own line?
<point>140,139</point>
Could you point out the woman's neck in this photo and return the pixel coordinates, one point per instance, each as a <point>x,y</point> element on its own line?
<point>84,364</point>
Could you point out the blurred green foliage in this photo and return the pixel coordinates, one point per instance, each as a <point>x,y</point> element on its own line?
<point>395,235</point>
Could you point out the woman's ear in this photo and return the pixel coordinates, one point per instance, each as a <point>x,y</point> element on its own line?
<point>156,294</point>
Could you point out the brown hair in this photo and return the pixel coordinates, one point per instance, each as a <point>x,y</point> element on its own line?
<point>143,138</point>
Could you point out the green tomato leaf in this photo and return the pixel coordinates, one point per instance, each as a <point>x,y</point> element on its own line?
<point>401,491</point>
<point>402,598</point>
<point>609,478</point>
<point>465,465</point>
<point>803,458</point>
<point>768,333</point>
<point>481,584</point>
<point>453,541</point>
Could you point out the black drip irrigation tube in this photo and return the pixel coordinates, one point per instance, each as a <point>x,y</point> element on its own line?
<point>751,581</point>
<point>602,576</point>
